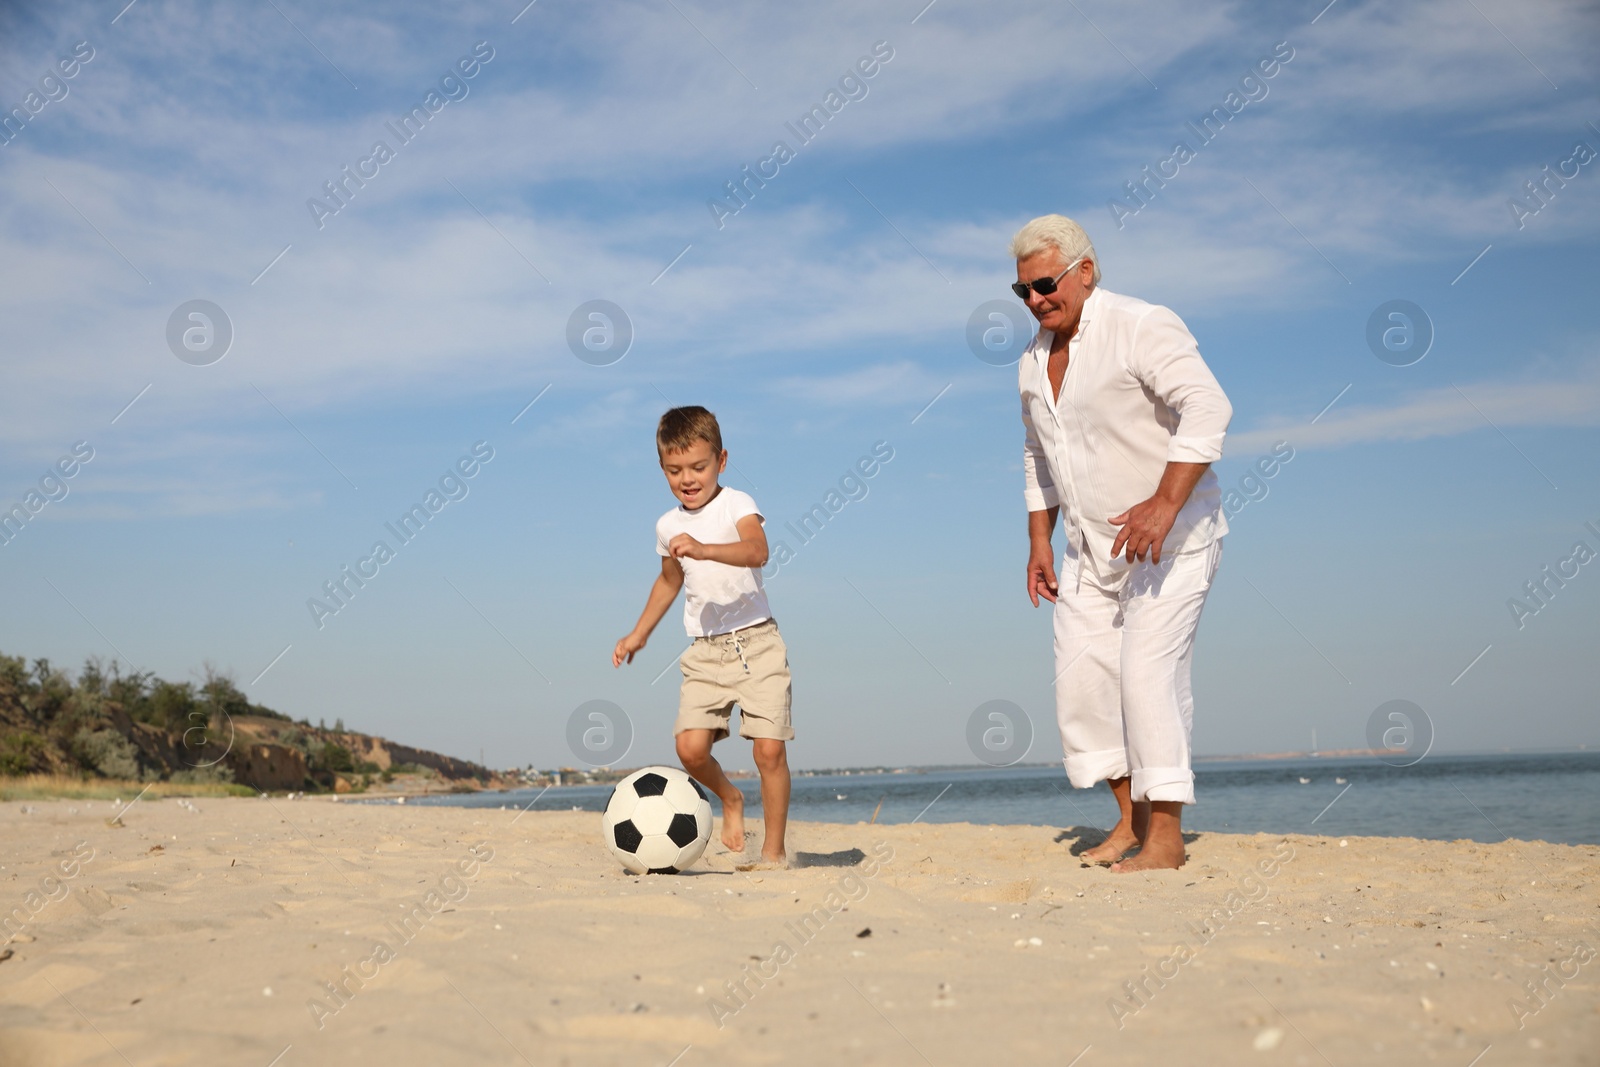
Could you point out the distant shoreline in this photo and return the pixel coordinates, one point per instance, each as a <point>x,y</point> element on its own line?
<point>612,774</point>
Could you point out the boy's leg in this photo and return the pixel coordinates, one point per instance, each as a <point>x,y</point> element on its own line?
<point>772,760</point>
<point>694,752</point>
<point>765,691</point>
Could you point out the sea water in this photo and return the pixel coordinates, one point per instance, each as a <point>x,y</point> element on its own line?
<point>1481,797</point>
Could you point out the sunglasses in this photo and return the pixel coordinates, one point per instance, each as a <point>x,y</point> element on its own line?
<point>1042,286</point>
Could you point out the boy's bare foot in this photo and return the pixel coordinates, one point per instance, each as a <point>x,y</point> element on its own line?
<point>694,750</point>
<point>733,825</point>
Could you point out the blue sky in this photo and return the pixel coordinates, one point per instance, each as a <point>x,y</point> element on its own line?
<point>371,352</point>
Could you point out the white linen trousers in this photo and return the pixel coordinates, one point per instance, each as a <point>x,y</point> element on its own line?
<point>1124,645</point>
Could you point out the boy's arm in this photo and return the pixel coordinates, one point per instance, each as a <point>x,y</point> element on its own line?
<point>662,594</point>
<point>749,551</point>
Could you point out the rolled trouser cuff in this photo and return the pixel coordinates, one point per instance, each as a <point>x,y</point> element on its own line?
<point>1084,769</point>
<point>1170,784</point>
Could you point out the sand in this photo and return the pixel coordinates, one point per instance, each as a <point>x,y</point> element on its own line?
<point>259,932</point>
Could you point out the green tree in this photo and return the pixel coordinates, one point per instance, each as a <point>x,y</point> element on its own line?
<point>335,758</point>
<point>20,753</point>
<point>173,707</point>
<point>130,692</point>
<point>221,696</point>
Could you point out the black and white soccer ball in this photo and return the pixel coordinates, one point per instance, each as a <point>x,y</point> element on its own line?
<point>657,821</point>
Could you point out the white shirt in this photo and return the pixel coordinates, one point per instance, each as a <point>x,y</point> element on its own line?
<point>717,598</point>
<point>1136,396</point>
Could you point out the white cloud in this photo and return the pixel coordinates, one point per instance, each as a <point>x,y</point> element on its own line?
<point>1440,412</point>
<point>1445,57</point>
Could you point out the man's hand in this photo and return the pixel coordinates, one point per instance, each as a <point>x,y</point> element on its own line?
<point>1041,573</point>
<point>683,545</point>
<point>1144,527</point>
<point>627,647</point>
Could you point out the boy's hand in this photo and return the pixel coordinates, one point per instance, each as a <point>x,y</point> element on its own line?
<point>684,545</point>
<point>626,648</point>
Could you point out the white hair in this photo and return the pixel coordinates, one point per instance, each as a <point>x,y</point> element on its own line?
<point>1057,232</point>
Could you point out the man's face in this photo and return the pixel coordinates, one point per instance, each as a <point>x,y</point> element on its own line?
<point>692,473</point>
<point>1060,310</point>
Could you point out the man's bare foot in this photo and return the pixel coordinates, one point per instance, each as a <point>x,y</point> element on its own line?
<point>1112,849</point>
<point>733,825</point>
<point>1132,824</point>
<point>1162,848</point>
<point>1154,856</point>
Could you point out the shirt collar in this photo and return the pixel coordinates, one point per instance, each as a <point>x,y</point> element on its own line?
<point>1090,302</point>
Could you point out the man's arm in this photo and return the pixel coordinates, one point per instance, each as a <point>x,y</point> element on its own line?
<point>1038,485</point>
<point>1043,504</point>
<point>1167,360</point>
<point>662,593</point>
<point>1041,555</point>
<point>749,551</point>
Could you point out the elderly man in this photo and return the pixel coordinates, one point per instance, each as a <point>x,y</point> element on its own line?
<point>1122,419</point>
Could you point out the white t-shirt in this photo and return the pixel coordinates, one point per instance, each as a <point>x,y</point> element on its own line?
<point>718,599</point>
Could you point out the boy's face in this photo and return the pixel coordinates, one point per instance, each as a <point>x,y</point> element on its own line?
<point>692,473</point>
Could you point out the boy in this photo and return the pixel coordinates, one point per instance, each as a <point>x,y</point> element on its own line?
<point>713,546</point>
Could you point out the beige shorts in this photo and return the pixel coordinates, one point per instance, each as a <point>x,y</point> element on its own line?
<point>748,667</point>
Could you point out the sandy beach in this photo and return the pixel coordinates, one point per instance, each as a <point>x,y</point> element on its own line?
<point>257,932</point>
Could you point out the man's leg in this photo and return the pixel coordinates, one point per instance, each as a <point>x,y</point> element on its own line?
<point>694,752</point>
<point>1089,698</point>
<point>1161,613</point>
<point>1133,822</point>
<point>772,760</point>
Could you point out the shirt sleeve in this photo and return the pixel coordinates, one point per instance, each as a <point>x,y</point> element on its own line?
<point>742,504</point>
<point>1038,487</point>
<point>661,539</point>
<point>1167,360</point>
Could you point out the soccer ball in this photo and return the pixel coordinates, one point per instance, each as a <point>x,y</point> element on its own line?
<point>657,821</point>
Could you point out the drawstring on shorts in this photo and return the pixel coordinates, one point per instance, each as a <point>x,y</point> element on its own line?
<point>733,639</point>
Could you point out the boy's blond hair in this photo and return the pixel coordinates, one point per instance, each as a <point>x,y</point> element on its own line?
<point>682,427</point>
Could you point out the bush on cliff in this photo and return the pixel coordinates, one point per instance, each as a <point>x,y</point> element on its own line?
<point>51,723</point>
